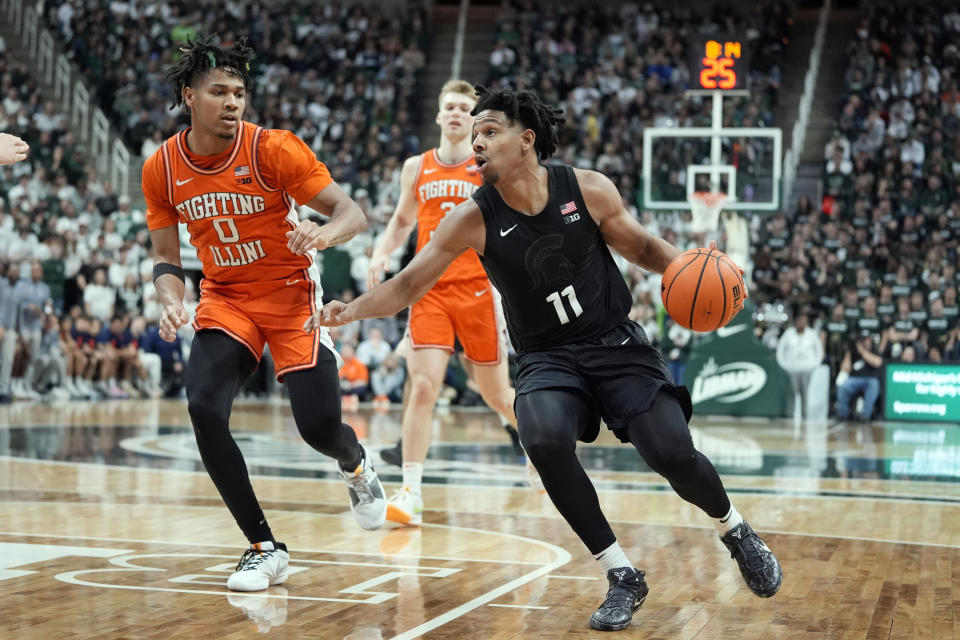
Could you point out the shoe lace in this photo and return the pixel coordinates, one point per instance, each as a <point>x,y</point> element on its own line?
<point>252,559</point>
<point>361,486</point>
<point>749,548</point>
<point>618,595</point>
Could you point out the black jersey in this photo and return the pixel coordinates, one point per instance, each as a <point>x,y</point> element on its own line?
<point>558,280</point>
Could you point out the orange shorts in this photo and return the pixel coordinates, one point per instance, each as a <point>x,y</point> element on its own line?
<point>272,313</point>
<point>466,310</point>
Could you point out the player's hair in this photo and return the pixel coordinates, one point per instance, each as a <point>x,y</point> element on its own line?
<point>526,108</point>
<point>202,55</point>
<point>456,86</point>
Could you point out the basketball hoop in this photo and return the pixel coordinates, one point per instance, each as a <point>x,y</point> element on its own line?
<point>705,207</point>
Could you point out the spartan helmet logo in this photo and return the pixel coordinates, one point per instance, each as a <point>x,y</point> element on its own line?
<point>546,263</point>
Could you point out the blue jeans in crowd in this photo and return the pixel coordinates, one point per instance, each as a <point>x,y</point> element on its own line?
<point>677,368</point>
<point>848,390</point>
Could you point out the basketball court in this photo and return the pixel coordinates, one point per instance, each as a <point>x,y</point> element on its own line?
<point>111,529</point>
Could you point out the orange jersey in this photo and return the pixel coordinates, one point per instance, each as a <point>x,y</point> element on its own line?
<point>439,188</point>
<point>238,205</point>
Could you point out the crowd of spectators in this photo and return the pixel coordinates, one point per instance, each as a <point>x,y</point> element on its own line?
<point>344,77</point>
<point>617,68</point>
<point>875,262</point>
<point>75,287</point>
<point>876,257</point>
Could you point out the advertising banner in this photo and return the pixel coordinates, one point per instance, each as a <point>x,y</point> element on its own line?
<point>922,392</point>
<point>730,372</point>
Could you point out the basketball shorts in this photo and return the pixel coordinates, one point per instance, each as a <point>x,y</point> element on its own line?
<point>619,374</point>
<point>465,310</point>
<point>260,313</point>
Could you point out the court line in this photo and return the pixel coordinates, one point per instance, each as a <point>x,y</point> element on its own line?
<point>613,486</point>
<point>557,577</point>
<point>518,606</point>
<point>299,550</point>
<point>562,557</point>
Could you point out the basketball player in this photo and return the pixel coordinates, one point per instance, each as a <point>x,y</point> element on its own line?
<point>12,149</point>
<point>542,233</point>
<point>460,305</point>
<point>233,183</point>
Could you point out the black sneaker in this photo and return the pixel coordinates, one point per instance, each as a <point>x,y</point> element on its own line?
<point>627,592</point>
<point>515,441</point>
<point>393,455</point>
<point>758,566</point>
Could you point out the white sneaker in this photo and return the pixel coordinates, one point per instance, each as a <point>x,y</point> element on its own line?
<point>263,564</point>
<point>367,499</point>
<point>405,507</point>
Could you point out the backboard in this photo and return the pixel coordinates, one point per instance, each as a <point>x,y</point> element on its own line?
<point>745,162</point>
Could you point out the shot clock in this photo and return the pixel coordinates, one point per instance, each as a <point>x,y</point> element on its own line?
<point>719,62</point>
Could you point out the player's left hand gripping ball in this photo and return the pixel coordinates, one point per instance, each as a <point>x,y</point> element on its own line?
<point>308,235</point>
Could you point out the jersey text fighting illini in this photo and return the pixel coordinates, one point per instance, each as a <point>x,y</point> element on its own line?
<point>237,205</point>
<point>438,189</point>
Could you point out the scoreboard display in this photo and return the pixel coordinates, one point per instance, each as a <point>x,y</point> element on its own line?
<point>719,62</point>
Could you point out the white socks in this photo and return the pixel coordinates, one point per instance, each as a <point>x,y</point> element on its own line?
<point>612,557</point>
<point>729,521</point>
<point>412,476</point>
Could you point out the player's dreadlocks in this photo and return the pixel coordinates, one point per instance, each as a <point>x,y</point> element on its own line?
<point>200,56</point>
<point>526,108</point>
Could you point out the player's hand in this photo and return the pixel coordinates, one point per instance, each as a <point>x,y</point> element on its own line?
<point>12,149</point>
<point>713,245</point>
<point>308,235</point>
<point>379,264</point>
<point>173,317</point>
<point>333,314</point>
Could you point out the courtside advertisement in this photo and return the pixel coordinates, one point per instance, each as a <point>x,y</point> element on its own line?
<point>922,392</point>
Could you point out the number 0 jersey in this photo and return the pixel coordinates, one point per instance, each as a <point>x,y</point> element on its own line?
<point>439,188</point>
<point>238,205</point>
<point>558,280</point>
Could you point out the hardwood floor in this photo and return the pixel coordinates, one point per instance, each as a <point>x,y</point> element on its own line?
<point>110,528</point>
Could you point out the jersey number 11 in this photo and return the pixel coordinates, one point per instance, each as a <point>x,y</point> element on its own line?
<point>558,304</point>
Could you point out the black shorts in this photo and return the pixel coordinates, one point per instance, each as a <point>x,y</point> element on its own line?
<point>619,374</point>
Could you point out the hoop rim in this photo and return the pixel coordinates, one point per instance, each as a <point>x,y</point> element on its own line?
<point>705,207</point>
<point>709,198</point>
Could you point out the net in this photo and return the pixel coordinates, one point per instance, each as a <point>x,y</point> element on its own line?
<point>705,207</point>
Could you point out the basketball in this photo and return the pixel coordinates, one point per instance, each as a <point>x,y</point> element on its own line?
<point>702,289</point>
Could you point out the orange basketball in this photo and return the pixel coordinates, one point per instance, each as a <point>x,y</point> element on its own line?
<point>702,289</point>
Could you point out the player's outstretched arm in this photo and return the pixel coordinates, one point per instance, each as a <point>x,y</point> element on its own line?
<point>460,230</point>
<point>12,149</point>
<point>346,221</point>
<point>619,229</point>
<point>400,225</point>
<point>169,281</point>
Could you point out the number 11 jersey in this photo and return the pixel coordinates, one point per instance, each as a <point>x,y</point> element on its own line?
<point>558,280</point>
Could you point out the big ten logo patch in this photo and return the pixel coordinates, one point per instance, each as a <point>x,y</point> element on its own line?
<point>571,218</point>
